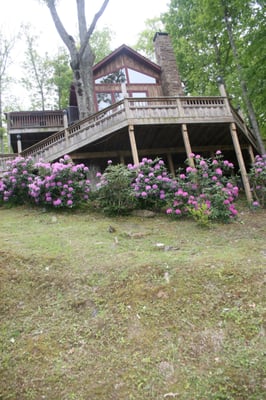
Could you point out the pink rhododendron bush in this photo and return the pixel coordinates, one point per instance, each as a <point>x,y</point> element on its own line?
<point>205,190</point>
<point>257,177</point>
<point>59,184</point>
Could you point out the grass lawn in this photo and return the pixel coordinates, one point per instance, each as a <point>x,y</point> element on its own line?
<point>153,308</point>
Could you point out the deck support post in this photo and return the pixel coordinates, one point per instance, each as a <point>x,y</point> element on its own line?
<point>171,164</point>
<point>19,144</point>
<point>133,144</point>
<point>241,163</point>
<point>65,120</point>
<point>187,145</point>
<point>251,154</point>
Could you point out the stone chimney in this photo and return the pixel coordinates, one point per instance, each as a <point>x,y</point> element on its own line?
<point>171,83</point>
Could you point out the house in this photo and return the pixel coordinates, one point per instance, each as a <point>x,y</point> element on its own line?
<point>141,111</point>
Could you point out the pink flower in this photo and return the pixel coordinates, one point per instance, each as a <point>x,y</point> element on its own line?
<point>218,171</point>
<point>57,202</point>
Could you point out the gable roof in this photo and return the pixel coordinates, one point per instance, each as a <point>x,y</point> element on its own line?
<point>124,49</point>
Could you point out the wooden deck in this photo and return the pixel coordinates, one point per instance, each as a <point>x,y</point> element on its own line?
<point>132,111</point>
<point>158,111</point>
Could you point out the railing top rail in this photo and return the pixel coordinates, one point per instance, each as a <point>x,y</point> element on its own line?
<point>46,112</point>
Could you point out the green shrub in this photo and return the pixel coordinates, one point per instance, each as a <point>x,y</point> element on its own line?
<point>115,195</point>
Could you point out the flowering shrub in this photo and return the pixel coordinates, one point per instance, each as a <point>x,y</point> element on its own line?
<point>14,185</point>
<point>206,191</point>
<point>114,193</point>
<point>207,187</point>
<point>60,184</point>
<point>257,176</point>
<point>152,183</point>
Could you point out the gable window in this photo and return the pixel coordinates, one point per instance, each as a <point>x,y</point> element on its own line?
<point>139,77</point>
<point>126,75</point>
<point>118,76</point>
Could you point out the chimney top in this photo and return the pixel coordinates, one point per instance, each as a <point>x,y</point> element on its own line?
<point>159,34</point>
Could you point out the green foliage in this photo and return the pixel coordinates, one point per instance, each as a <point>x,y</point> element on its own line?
<point>61,78</point>
<point>38,71</point>
<point>200,39</point>
<point>100,43</point>
<point>145,38</point>
<point>115,195</point>
<point>200,214</point>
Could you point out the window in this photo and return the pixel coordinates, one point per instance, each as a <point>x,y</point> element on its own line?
<point>118,76</point>
<point>139,77</point>
<point>106,99</point>
<point>138,94</point>
<point>103,100</point>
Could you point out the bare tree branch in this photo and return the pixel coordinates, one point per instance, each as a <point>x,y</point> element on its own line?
<point>81,20</point>
<point>67,39</point>
<point>92,27</point>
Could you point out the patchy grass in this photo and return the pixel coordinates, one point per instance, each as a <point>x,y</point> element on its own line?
<point>154,309</point>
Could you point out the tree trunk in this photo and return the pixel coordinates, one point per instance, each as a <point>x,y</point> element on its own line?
<point>246,98</point>
<point>82,57</point>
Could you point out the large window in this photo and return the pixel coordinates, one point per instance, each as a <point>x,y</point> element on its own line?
<point>126,75</point>
<point>115,77</point>
<point>139,77</point>
<point>121,76</point>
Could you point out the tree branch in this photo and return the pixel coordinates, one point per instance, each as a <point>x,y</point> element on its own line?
<point>81,19</point>
<point>67,39</point>
<point>92,27</point>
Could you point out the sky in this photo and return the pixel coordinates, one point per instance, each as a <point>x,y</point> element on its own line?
<point>126,18</point>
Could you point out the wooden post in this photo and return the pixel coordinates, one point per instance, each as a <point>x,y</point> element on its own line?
<point>19,144</point>
<point>122,159</point>
<point>65,120</point>
<point>133,144</point>
<point>171,164</point>
<point>187,145</point>
<point>251,154</point>
<point>241,162</point>
<point>224,94</point>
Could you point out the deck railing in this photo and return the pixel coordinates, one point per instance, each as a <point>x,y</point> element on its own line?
<point>34,119</point>
<point>162,110</point>
<point>130,110</point>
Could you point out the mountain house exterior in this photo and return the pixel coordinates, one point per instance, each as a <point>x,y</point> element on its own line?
<point>141,111</point>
